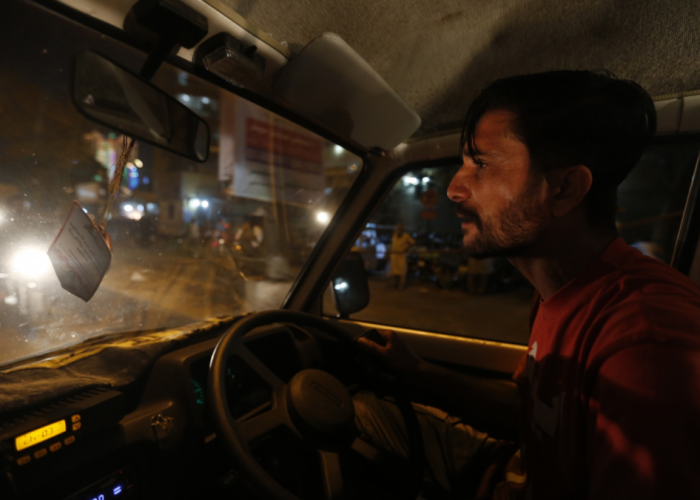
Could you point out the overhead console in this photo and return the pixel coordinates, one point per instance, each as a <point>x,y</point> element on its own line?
<point>678,114</point>
<point>327,81</point>
<point>220,18</point>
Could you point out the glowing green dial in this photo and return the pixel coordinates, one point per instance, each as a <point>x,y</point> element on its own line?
<point>198,393</point>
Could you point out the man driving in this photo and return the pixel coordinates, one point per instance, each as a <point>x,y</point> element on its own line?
<point>610,386</point>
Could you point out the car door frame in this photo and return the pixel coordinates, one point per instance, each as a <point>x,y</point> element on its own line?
<point>370,189</point>
<point>379,175</point>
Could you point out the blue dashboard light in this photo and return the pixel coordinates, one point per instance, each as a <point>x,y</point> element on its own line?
<point>117,490</point>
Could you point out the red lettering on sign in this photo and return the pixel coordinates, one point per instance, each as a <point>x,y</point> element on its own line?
<point>264,136</point>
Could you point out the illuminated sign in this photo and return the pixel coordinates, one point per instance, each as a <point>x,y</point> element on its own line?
<point>272,160</point>
<point>39,435</point>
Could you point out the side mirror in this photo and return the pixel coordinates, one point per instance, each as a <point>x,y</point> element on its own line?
<point>350,285</point>
<point>116,98</point>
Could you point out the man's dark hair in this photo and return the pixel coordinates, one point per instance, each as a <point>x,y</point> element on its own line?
<point>568,118</point>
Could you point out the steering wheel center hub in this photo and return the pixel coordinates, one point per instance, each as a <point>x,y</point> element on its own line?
<point>320,405</point>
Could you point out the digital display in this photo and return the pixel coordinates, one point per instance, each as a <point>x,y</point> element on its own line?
<point>39,435</point>
<point>108,493</point>
<point>118,486</point>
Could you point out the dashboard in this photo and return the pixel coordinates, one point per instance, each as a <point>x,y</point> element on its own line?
<point>154,438</point>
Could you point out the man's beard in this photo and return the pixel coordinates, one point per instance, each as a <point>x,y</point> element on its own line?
<point>508,233</point>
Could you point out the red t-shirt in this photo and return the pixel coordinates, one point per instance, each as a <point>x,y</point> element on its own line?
<point>611,387</point>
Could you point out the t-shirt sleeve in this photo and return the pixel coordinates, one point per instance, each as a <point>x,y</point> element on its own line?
<point>644,424</point>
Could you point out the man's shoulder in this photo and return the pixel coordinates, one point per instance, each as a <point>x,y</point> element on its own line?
<point>645,300</point>
<point>646,281</point>
<point>625,274</point>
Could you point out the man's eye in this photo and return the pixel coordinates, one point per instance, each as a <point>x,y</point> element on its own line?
<point>479,163</point>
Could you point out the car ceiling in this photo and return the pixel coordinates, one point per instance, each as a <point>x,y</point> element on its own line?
<point>438,54</point>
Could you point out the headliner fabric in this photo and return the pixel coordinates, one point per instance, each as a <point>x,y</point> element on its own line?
<point>438,54</point>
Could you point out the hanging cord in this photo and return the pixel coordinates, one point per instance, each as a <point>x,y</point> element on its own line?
<point>114,183</point>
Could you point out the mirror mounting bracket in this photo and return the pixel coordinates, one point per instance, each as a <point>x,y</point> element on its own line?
<point>173,23</point>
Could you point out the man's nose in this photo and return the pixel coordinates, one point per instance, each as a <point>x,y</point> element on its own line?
<point>458,190</point>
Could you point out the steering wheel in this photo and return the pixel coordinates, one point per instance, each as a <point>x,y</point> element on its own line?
<point>315,406</point>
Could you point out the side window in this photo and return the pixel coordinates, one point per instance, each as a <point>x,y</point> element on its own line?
<point>695,270</point>
<point>652,198</point>
<point>420,276</point>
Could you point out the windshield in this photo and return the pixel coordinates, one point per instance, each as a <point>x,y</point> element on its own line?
<point>190,240</point>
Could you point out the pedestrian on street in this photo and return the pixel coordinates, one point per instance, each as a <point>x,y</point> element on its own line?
<point>194,234</point>
<point>401,242</point>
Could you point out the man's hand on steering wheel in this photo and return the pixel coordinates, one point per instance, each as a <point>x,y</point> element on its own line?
<point>388,347</point>
<point>313,407</point>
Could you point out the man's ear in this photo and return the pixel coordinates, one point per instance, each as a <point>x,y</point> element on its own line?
<point>568,188</point>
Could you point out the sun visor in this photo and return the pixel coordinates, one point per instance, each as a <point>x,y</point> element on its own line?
<point>330,82</point>
<point>678,115</point>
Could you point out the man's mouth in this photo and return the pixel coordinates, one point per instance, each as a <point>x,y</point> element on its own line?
<point>468,217</point>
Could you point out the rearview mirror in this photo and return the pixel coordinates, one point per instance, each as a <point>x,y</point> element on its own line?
<point>350,286</point>
<point>113,96</point>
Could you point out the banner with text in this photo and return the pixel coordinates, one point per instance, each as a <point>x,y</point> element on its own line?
<point>276,160</point>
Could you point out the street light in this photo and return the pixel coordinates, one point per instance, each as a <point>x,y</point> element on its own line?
<point>205,203</point>
<point>31,263</point>
<point>409,180</point>
<point>194,202</point>
<point>323,217</point>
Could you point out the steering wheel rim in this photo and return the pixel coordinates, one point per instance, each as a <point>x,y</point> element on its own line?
<point>237,436</point>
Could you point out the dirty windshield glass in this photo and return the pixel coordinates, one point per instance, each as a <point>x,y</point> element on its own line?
<point>190,240</point>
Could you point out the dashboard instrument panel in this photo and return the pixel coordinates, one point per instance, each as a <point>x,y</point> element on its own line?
<point>245,389</point>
